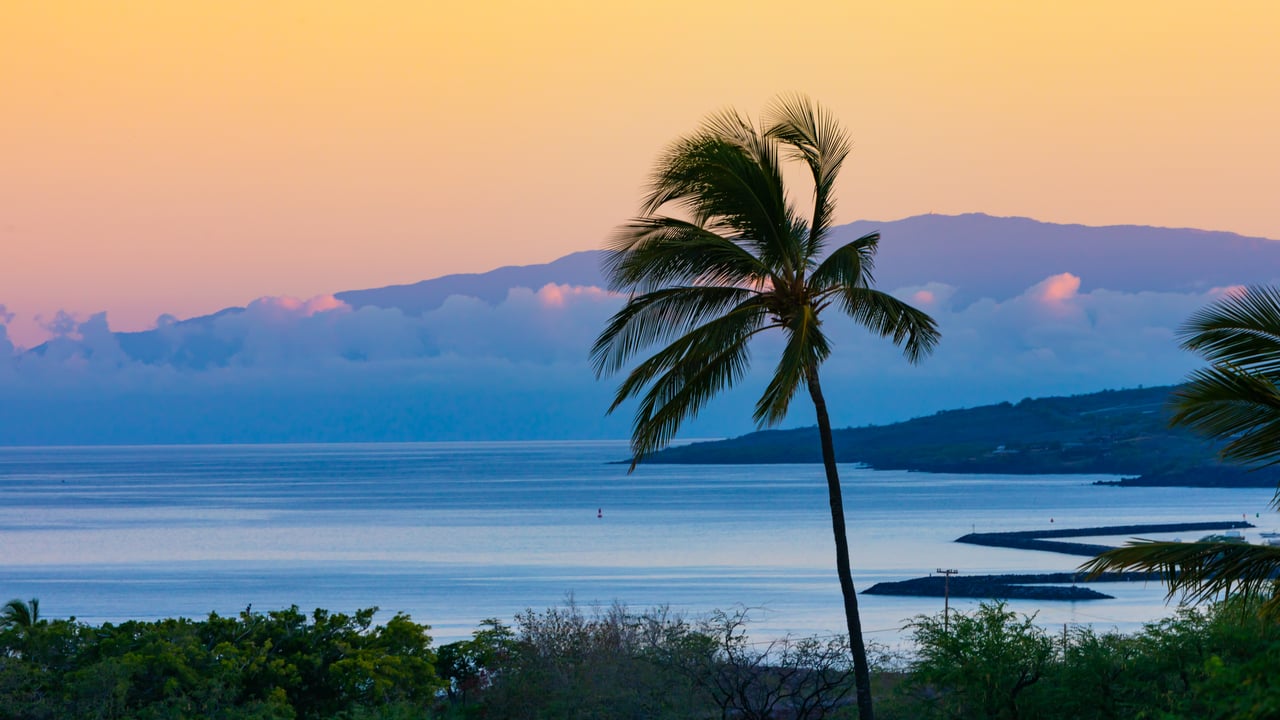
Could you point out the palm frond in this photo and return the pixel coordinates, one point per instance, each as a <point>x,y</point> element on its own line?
<point>816,137</point>
<point>700,342</point>
<point>1242,330</point>
<point>1201,570</point>
<point>1228,403</point>
<point>682,377</point>
<point>805,350</point>
<point>1235,399</point>
<point>729,179</point>
<point>19,614</point>
<point>851,265</point>
<point>887,316</point>
<point>655,252</point>
<point>681,392</point>
<point>659,316</point>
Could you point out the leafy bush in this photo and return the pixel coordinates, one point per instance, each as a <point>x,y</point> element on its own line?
<point>992,663</point>
<point>608,663</point>
<point>978,665</point>
<point>281,664</point>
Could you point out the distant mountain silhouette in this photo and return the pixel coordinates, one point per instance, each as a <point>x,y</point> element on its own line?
<point>999,257</point>
<point>580,268</point>
<point>980,255</point>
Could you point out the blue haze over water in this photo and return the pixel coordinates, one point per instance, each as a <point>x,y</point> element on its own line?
<point>452,533</point>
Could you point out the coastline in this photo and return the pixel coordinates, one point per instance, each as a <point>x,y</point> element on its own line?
<point>1041,586</point>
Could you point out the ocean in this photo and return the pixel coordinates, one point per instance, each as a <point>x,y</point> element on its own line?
<point>453,533</point>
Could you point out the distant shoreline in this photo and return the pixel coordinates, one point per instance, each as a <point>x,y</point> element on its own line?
<point>1040,586</point>
<point>1122,433</point>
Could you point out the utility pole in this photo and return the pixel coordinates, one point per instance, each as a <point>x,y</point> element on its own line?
<point>946,597</point>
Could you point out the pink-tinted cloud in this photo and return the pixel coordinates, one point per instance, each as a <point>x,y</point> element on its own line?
<point>1056,289</point>
<point>1233,291</point>
<point>554,295</point>
<point>285,306</point>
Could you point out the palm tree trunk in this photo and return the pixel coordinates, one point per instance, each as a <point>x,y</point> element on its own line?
<point>861,674</point>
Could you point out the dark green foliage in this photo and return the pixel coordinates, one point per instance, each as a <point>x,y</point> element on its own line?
<point>978,665</point>
<point>281,664</point>
<point>992,663</point>
<point>468,667</point>
<point>17,613</point>
<point>609,664</point>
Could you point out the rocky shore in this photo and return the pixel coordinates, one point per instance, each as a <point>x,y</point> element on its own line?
<point>1036,539</point>
<point>1042,586</point>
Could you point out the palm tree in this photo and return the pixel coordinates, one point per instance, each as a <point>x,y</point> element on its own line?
<point>742,262</point>
<point>19,614</point>
<point>1236,399</point>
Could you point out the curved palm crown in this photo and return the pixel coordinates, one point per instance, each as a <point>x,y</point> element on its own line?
<point>1237,399</point>
<point>741,262</point>
<point>19,614</point>
<point>745,261</point>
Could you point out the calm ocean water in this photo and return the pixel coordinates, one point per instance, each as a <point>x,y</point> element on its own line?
<point>453,533</point>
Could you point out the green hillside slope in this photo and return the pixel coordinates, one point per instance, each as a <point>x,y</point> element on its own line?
<point>1121,432</point>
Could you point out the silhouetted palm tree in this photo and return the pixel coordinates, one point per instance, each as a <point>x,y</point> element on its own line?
<point>1236,399</point>
<point>741,262</point>
<point>19,614</point>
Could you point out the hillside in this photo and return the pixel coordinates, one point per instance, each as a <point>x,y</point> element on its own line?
<point>1120,432</point>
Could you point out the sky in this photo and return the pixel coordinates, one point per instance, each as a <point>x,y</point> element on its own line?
<point>166,158</point>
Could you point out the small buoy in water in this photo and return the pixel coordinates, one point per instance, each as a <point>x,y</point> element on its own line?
<point>1050,521</point>
<point>599,512</point>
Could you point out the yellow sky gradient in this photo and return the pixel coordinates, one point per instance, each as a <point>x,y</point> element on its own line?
<point>183,156</point>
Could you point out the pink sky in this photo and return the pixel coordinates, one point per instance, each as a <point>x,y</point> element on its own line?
<point>164,157</point>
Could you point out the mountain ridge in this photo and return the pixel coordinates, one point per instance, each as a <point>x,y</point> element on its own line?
<point>914,252</point>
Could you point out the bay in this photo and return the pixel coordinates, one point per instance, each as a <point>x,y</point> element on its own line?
<point>453,533</point>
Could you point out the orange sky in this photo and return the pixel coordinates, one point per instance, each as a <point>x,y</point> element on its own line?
<point>184,156</point>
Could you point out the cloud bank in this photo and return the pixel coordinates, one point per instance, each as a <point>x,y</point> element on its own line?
<point>286,369</point>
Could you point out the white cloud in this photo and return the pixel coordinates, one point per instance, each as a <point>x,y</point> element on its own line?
<point>519,368</point>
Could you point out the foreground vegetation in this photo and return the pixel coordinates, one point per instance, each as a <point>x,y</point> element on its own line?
<point>607,663</point>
